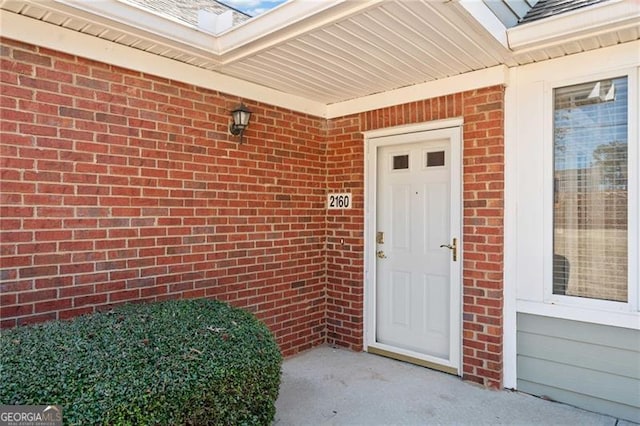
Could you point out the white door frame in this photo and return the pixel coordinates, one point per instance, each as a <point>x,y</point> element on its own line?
<point>451,129</point>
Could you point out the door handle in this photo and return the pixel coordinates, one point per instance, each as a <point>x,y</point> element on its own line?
<point>453,247</point>
<point>381,254</point>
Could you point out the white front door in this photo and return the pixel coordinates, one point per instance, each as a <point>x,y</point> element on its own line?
<point>417,219</point>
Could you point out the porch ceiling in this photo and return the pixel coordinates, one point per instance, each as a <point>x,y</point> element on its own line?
<point>334,51</point>
<point>386,46</point>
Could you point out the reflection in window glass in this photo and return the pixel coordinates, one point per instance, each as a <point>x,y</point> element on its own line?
<point>590,190</point>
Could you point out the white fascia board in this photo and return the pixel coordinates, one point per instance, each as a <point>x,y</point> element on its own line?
<point>167,28</point>
<point>39,33</point>
<point>254,35</point>
<point>485,17</point>
<point>139,22</point>
<point>271,21</point>
<point>589,21</point>
<point>498,75</point>
<point>284,23</point>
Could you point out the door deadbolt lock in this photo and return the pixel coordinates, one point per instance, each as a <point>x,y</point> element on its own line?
<point>381,254</point>
<point>453,247</point>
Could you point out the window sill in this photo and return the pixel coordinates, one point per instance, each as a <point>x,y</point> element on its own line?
<point>596,316</point>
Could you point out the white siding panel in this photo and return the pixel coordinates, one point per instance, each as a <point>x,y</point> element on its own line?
<point>621,411</point>
<point>590,366</point>
<point>567,351</point>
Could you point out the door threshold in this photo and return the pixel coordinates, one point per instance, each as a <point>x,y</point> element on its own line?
<point>413,360</point>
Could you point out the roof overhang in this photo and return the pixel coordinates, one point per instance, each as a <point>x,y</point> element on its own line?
<point>326,58</point>
<point>75,43</point>
<point>289,20</point>
<point>599,19</point>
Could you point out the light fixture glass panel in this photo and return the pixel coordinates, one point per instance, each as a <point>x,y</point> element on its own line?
<point>241,116</point>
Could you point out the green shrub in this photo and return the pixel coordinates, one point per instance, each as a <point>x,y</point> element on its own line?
<point>174,362</point>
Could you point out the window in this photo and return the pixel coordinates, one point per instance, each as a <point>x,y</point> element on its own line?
<point>435,159</point>
<point>590,211</point>
<point>400,162</point>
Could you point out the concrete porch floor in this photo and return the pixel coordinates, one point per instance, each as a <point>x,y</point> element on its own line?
<point>327,386</point>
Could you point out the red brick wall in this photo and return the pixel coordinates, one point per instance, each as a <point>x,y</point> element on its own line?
<point>483,185</point>
<point>118,186</point>
<point>483,229</point>
<point>345,235</point>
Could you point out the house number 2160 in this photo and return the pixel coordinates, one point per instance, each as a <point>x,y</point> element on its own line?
<point>339,201</point>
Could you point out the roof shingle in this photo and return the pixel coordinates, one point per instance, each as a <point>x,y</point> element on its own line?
<point>547,8</point>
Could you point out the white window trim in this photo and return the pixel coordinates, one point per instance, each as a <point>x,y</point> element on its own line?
<point>523,292</point>
<point>578,308</point>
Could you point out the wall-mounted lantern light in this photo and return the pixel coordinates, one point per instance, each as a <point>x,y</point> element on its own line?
<point>241,116</point>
